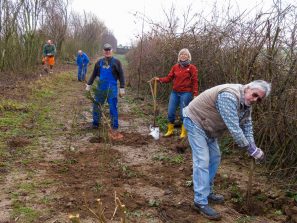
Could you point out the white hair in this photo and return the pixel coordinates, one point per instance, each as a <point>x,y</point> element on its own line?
<point>186,51</point>
<point>259,84</point>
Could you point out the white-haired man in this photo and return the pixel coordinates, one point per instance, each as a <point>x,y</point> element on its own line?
<point>223,107</point>
<point>82,61</point>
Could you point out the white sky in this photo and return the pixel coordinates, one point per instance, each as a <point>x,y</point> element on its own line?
<point>117,15</point>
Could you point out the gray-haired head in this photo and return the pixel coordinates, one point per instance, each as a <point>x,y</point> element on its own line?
<point>259,84</point>
<point>184,51</point>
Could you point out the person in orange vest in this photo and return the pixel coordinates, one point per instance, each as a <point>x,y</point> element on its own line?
<point>49,53</point>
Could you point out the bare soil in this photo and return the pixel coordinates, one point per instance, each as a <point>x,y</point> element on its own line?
<point>72,165</point>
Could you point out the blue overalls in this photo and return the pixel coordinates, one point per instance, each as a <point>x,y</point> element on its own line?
<point>82,63</point>
<point>106,90</point>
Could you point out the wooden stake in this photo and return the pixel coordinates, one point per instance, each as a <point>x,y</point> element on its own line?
<point>250,184</point>
<point>155,101</point>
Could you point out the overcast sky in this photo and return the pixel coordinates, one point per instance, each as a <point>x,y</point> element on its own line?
<point>117,15</point>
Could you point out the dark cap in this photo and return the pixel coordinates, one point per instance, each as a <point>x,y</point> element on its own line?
<point>107,46</point>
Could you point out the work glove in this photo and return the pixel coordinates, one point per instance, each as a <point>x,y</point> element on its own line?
<point>255,152</point>
<point>88,87</point>
<point>122,92</point>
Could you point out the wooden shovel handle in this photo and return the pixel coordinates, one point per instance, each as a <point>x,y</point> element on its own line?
<point>155,101</point>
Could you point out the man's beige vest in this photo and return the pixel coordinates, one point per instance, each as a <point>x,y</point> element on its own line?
<point>202,110</point>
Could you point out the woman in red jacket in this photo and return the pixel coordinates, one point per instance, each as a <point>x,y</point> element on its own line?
<point>184,76</point>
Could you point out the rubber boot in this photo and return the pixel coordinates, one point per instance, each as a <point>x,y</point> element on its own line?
<point>183,133</point>
<point>51,69</point>
<point>169,130</point>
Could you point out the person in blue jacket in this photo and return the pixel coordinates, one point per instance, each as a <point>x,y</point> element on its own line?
<point>82,61</point>
<point>109,70</point>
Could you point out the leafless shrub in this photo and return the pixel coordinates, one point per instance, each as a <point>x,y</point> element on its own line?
<point>235,48</point>
<point>26,25</point>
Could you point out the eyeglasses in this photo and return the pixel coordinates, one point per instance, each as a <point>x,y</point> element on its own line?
<point>255,95</point>
<point>107,49</point>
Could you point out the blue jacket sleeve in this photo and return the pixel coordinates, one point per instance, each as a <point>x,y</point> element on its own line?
<point>86,59</point>
<point>227,106</point>
<point>77,62</point>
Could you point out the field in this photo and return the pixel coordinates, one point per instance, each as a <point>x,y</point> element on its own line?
<point>53,165</point>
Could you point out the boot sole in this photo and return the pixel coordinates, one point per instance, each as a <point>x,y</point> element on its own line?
<point>216,202</point>
<point>168,136</point>
<point>207,216</point>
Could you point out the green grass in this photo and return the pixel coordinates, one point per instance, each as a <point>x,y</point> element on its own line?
<point>162,122</point>
<point>154,203</point>
<point>136,213</point>
<point>44,93</point>
<point>236,194</point>
<point>98,187</point>
<point>15,115</point>
<point>176,159</point>
<point>225,143</point>
<point>28,120</point>
<point>11,121</point>
<point>27,187</point>
<point>12,105</point>
<point>26,214</point>
<point>127,172</point>
<point>122,58</point>
<point>46,200</point>
<point>46,183</point>
<point>161,157</point>
<point>139,112</point>
<point>245,219</point>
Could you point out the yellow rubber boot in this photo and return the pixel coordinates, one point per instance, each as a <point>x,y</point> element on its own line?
<point>169,130</point>
<point>183,133</point>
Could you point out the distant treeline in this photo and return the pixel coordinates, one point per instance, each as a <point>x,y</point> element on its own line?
<point>27,24</point>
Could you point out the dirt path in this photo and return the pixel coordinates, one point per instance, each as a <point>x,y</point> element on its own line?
<point>57,166</point>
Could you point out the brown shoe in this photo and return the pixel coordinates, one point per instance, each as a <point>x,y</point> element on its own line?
<point>115,135</point>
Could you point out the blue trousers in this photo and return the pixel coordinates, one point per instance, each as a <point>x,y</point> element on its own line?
<point>178,99</point>
<point>113,109</point>
<point>206,157</point>
<point>81,72</point>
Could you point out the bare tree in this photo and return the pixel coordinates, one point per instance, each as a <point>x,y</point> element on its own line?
<point>235,47</point>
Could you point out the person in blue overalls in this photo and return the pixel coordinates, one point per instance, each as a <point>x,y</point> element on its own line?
<point>109,70</point>
<point>82,61</point>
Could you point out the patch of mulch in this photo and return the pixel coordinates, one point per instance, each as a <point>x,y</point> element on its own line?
<point>18,141</point>
<point>129,139</point>
<point>86,176</point>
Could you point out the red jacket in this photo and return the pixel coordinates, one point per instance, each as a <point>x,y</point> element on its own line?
<point>185,79</point>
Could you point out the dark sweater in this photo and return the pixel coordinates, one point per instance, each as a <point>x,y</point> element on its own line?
<point>117,71</point>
